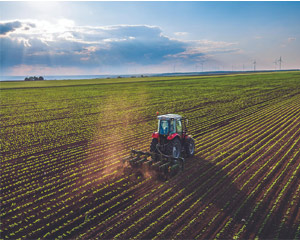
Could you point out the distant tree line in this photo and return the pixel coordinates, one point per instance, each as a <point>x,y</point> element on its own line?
<point>34,78</point>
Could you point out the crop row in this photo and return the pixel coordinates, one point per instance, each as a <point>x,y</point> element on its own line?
<point>62,176</point>
<point>127,228</point>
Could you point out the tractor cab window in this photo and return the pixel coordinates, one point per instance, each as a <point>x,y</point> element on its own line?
<point>179,127</point>
<point>172,126</point>
<point>163,127</point>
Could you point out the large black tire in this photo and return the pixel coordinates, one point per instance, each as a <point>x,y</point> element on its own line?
<point>189,147</point>
<point>174,148</point>
<point>153,148</point>
<point>153,145</point>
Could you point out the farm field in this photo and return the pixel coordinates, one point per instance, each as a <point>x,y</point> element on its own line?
<point>62,144</point>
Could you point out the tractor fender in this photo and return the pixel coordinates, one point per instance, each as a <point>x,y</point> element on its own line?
<point>172,136</point>
<point>155,135</point>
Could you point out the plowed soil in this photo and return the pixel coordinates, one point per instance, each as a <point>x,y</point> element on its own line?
<point>63,177</point>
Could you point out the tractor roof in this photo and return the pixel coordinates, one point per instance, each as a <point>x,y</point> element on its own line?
<point>169,116</point>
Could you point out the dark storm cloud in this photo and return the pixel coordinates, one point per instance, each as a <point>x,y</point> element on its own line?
<point>138,44</point>
<point>9,27</point>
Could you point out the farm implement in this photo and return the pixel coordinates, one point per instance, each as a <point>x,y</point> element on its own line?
<point>169,145</point>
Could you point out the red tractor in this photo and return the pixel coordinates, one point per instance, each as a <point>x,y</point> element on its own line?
<point>169,145</point>
<point>171,137</point>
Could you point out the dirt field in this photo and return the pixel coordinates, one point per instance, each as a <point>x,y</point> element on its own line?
<point>62,174</point>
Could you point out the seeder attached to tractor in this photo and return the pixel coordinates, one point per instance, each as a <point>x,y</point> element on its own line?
<point>169,144</point>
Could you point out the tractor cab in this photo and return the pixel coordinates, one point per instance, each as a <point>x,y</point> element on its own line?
<point>171,137</point>
<point>169,124</point>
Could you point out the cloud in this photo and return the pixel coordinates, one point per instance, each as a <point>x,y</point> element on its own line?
<point>181,33</point>
<point>11,26</point>
<point>291,39</point>
<point>7,27</point>
<point>288,42</point>
<point>68,45</point>
<point>64,45</point>
<point>204,50</point>
<point>258,37</point>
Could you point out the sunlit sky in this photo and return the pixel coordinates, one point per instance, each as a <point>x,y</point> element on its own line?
<point>73,38</point>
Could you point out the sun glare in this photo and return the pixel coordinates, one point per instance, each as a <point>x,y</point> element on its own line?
<point>45,10</point>
<point>41,6</point>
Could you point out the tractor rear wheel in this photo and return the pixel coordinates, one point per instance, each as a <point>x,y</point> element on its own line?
<point>174,148</point>
<point>189,147</point>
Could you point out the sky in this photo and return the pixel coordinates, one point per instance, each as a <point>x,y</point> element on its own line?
<point>81,38</point>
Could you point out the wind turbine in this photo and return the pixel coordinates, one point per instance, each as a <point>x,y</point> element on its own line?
<point>254,65</point>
